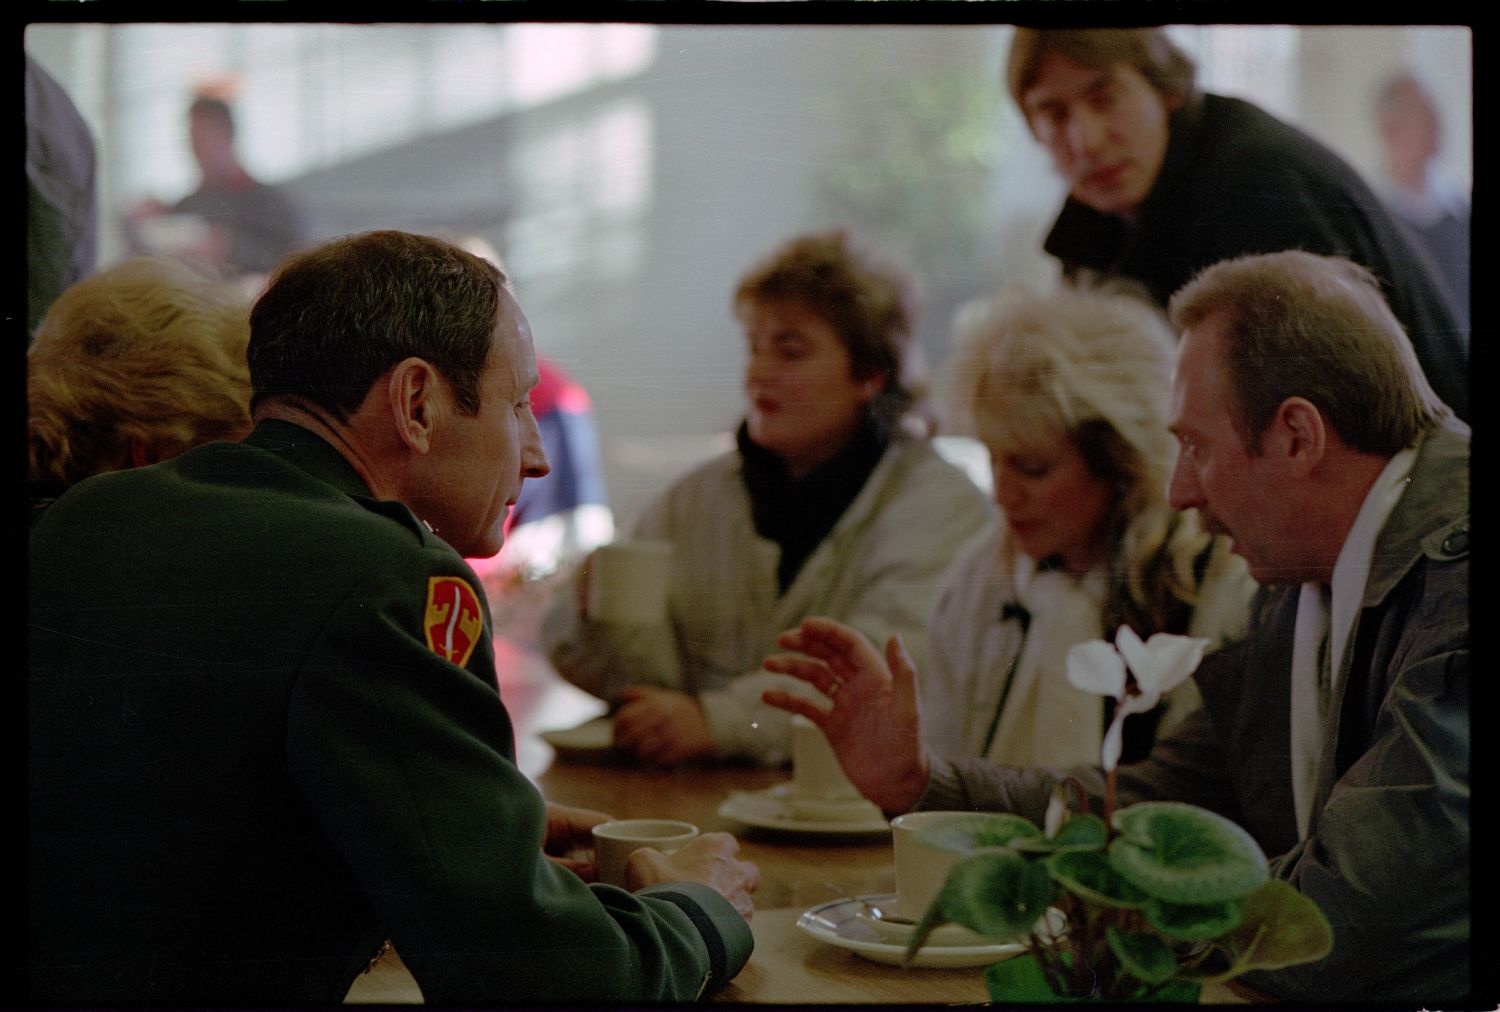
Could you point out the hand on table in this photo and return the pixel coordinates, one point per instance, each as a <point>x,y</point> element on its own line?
<point>708,859</point>
<point>568,835</point>
<point>874,725</point>
<point>661,726</point>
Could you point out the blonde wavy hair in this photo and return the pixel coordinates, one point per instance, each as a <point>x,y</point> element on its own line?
<point>1092,366</point>
<point>147,355</point>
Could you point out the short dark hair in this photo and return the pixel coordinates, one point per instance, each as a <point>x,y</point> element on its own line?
<point>213,108</point>
<point>1149,50</point>
<point>867,303</point>
<point>335,317</point>
<point>1303,325</point>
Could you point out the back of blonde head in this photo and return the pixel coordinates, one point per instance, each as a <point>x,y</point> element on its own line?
<point>1093,367</point>
<point>149,353</point>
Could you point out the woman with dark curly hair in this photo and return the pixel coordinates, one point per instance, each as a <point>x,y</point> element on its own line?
<point>828,505</point>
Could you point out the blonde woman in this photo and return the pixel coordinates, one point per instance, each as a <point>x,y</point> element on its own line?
<point>1070,393</point>
<point>132,365</point>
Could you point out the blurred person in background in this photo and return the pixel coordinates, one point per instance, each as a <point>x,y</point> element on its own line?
<point>1164,180</point>
<point>1070,393</point>
<point>231,220</point>
<point>1411,133</point>
<point>131,365</point>
<point>62,224</point>
<point>828,505</point>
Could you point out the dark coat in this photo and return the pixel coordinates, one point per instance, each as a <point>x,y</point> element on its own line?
<point>1236,181</point>
<point>1387,855</point>
<point>265,735</point>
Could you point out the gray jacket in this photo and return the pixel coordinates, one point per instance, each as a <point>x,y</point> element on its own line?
<point>1387,854</point>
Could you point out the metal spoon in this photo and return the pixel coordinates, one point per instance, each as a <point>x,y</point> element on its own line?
<point>876,913</point>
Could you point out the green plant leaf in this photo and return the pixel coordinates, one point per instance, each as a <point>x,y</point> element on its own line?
<point>1278,927</point>
<point>988,892</point>
<point>1081,832</point>
<point>965,834</point>
<point>1020,981</point>
<point>1145,957</point>
<point>1192,922</point>
<point>1088,874</point>
<point>1181,853</point>
<point>997,893</point>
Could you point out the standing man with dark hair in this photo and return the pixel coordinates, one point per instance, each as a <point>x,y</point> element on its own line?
<point>1164,180</point>
<point>264,729</point>
<point>249,225</point>
<point>1337,731</point>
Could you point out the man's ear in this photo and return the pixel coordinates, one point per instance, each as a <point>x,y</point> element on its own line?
<point>1302,434</point>
<point>414,394</point>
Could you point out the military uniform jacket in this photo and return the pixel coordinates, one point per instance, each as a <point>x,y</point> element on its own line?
<point>1235,180</point>
<point>265,736</point>
<point>1387,853</point>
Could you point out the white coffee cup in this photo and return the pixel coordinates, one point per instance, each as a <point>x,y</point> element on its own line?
<point>921,870</point>
<point>628,581</point>
<point>614,842</point>
<point>816,773</point>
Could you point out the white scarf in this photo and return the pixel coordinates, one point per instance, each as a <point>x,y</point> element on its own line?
<point>1046,721</point>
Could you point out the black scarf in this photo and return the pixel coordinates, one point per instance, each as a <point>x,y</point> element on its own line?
<point>798,513</point>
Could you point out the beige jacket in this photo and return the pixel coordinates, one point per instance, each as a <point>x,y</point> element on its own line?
<point>876,570</point>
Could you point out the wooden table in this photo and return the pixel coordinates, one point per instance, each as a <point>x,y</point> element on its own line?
<point>797,871</point>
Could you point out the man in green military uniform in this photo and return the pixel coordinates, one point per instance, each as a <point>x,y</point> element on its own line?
<point>264,731</point>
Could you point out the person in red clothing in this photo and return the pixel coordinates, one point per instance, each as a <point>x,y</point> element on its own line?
<point>565,414</point>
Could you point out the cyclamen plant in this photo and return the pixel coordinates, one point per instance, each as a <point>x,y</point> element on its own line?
<point>1133,904</point>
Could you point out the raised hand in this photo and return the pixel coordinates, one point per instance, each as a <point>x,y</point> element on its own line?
<point>874,724</point>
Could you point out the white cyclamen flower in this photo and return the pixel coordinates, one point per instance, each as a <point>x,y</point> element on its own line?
<point>1159,665</point>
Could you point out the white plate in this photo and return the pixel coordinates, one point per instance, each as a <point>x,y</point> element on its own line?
<point>768,809</point>
<point>899,932</point>
<point>590,740</point>
<point>839,923</point>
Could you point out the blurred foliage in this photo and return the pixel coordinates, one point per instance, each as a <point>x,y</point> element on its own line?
<point>912,167</point>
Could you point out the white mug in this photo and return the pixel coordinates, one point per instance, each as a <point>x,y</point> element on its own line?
<point>816,773</point>
<point>920,870</point>
<point>614,842</point>
<point>628,581</point>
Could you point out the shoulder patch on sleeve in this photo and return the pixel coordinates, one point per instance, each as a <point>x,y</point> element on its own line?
<point>452,621</point>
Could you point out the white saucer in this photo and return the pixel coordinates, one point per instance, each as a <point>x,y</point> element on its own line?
<point>899,932</point>
<point>768,809</point>
<point>593,739</point>
<point>839,923</point>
